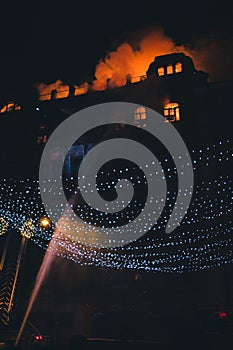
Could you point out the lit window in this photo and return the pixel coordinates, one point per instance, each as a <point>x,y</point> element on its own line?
<point>10,107</point>
<point>160,71</point>
<point>140,113</point>
<point>172,112</point>
<point>139,116</point>
<point>42,137</point>
<point>178,67</point>
<point>169,69</point>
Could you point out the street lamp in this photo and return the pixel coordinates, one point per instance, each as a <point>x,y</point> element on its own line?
<point>45,222</point>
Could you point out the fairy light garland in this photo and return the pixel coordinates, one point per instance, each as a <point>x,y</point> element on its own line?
<point>28,229</point>
<point>3,226</point>
<point>189,248</point>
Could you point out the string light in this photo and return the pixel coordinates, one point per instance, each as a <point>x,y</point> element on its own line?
<point>28,229</point>
<point>3,226</point>
<point>203,240</point>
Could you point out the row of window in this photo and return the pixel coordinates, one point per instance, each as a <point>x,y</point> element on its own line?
<point>10,107</point>
<point>171,113</point>
<point>171,69</point>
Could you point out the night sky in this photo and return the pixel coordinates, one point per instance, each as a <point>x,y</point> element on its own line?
<point>46,41</point>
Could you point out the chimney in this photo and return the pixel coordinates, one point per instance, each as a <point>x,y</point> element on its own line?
<point>108,83</point>
<point>128,79</point>
<point>90,86</point>
<point>53,94</point>
<point>71,91</point>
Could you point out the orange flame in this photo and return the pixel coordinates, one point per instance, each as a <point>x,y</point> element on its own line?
<point>127,61</point>
<point>62,91</point>
<point>46,90</point>
<point>112,71</point>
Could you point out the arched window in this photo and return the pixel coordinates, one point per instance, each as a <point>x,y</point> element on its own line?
<point>178,67</point>
<point>172,112</point>
<point>160,71</point>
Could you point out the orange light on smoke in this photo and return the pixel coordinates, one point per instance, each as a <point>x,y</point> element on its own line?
<point>112,70</point>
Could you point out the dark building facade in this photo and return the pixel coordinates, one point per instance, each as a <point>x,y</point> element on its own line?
<point>114,301</point>
<point>173,87</point>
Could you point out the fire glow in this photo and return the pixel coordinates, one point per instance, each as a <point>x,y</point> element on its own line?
<point>119,66</point>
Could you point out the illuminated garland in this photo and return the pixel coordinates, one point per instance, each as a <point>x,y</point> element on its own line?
<point>190,248</point>
<point>3,226</point>
<point>28,229</point>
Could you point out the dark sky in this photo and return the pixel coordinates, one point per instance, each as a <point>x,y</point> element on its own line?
<point>46,41</point>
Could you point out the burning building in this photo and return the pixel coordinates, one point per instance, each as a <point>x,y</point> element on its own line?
<point>172,86</point>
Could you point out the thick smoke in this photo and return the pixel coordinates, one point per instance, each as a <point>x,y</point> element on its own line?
<point>132,58</point>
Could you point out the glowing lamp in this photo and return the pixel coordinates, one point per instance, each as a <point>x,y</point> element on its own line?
<point>38,338</point>
<point>45,222</point>
<point>222,315</point>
